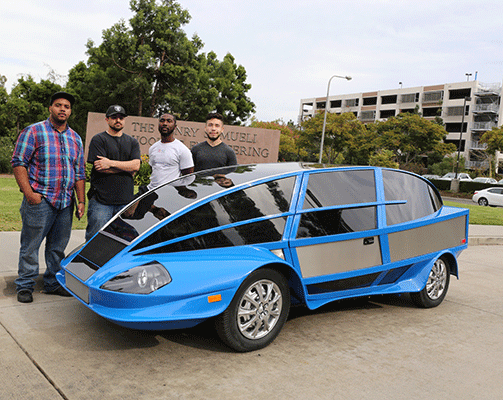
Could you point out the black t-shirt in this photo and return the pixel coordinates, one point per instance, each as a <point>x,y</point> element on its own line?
<point>115,188</point>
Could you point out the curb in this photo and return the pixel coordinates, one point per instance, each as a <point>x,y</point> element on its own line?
<point>484,241</point>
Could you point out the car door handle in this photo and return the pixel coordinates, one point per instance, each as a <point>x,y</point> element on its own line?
<point>368,240</point>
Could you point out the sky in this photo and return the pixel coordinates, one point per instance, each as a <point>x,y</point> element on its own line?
<point>289,48</point>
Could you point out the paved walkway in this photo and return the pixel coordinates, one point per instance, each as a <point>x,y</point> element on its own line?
<point>382,348</point>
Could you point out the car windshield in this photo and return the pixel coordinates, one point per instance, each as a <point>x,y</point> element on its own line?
<point>158,204</point>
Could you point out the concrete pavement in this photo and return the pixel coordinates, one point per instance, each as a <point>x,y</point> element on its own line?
<point>377,348</point>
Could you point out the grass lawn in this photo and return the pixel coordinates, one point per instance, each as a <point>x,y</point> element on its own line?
<point>481,215</point>
<point>10,201</point>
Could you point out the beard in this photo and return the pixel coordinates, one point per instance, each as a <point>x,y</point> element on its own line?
<point>213,139</point>
<point>116,128</point>
<point>166,132</point>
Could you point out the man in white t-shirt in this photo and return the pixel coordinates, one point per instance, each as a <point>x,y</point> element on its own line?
<point>169,157</point>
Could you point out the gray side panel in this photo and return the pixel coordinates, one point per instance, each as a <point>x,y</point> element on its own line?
<point>335,257</point>
<point>77,287</point>
<point>427,239</point>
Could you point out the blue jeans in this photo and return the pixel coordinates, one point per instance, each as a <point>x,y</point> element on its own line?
<point>42,221</point>
<point>98,214</point>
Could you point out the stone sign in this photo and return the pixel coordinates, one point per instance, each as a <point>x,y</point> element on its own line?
<point>251,145</point>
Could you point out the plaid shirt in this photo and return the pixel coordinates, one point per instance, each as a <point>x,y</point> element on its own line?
<point>54,161</point>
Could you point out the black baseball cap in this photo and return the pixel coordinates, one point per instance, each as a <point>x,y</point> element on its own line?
<point>116,109</point>
<point>63,95</point>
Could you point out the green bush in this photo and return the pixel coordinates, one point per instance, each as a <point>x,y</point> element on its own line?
<point>6,150</point>
<point>142,177</point>
<point>464,186</point>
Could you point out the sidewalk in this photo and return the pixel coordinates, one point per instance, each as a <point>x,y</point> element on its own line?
<point>485,235</point>
<point>55,348</point>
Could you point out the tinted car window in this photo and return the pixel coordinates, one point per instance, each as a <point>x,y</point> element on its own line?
<point>148,210</point>
<point>253,233</point>
<point>340,187</point>
<point>420,198</point>
<point>266,199</point>
<point>336,221</point>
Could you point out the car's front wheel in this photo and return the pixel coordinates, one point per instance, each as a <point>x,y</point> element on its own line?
<point>436,287</point>
<point>257,312</point>
<point>483,202</point>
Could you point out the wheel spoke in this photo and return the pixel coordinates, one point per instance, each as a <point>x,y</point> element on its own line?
<point>260,309</point>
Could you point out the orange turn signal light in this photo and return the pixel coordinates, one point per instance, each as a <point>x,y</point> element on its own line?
<point>214,298</point>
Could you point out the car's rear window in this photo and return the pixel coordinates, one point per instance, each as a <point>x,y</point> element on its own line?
<point>415,197</point>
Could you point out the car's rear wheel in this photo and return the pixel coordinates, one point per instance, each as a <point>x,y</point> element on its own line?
<point>257,312</point>
<point>483,202</point>
<point>436,287</point>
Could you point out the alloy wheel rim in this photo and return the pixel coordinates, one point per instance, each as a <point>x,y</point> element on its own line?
<point>259,309</point>
<point>437,279</point>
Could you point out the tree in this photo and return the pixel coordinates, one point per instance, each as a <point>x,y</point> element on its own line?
<point>340,131</point>
<point>494,141</point>
<point>27,103</point>
<point>383,158</point>
<point>411,137</point>
<point>151,66</point>
<point>289,149</point>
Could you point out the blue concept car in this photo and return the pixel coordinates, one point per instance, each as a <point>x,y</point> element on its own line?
<point>242,244</point>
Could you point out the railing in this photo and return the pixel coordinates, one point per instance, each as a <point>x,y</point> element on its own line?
<point>487,107</point>
<point>475,144</point>
<point>477,164</point>
<point>484,126</point>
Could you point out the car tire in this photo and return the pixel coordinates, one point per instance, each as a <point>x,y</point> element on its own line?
<point>436,286</point>
<point>257,312</point>
<point>483,202</point>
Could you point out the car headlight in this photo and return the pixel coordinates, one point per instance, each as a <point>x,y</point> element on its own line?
<point>139,280</point>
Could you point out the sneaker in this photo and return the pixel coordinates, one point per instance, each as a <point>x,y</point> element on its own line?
<point>60,291</point>
<point>24,296</point>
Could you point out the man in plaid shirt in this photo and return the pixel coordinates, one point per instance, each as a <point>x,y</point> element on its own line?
<point>48,163</point>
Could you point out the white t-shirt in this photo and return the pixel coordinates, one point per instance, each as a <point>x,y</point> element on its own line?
<point>167,160</point>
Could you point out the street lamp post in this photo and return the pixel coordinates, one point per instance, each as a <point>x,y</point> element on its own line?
<point>326,110</point>
<point>459,144</point>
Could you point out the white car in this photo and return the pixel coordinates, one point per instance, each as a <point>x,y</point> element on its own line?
<point>430,177</point>
<point>489,197</point>
<point>483,179</point>
<point>462,176</point>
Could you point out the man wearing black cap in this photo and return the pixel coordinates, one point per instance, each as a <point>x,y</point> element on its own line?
<point>48,164</point>
<point>115,157</point>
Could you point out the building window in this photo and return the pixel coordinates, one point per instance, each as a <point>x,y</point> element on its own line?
<point>335,103</point>
<point>409,98</point>
<point>459,93</point>
<point>387,113</point>
<point>432,111</point>
<point>368,115</point>
<point>455,127</point>
<point>433,97</point>
<point>456,143</point>
<point>352,102</point>
<point>370,101</point>
<point>389,99</point>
